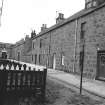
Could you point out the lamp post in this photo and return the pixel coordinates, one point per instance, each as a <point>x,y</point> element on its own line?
<point>82,64</point>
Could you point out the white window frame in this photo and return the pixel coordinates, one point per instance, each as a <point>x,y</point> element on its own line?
<point>63,60</point>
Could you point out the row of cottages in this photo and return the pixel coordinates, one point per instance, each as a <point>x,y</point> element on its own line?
<point>21,50</point>
<point>75,42</point>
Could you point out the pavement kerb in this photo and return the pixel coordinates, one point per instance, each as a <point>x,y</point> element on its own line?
<point>79,88</point>
<point>91,92</point>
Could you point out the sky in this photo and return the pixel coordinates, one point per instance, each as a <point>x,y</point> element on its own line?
<point>20,17</point>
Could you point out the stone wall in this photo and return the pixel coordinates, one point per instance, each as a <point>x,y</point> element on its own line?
<point>18,48</point>
<point>22,47</point>
<point>63,42</point>
<point>41,48</point>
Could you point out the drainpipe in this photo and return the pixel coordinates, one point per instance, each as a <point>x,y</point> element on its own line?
<point>49,52</point>
<point>75,46</point>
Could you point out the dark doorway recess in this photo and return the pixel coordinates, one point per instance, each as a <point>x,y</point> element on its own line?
<point>100,75</point>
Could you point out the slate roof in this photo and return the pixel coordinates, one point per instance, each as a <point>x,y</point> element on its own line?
<point>79,14</point>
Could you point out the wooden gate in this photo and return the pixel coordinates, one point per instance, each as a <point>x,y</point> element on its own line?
<point>101,65</point>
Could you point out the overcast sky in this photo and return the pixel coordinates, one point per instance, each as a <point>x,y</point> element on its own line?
<point>21,16</point>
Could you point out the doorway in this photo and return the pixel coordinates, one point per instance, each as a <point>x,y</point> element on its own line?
<point>18,56</point>
<point>100,65</point>
<point>54,61</point>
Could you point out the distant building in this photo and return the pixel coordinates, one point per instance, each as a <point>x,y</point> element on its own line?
<point>8,47</point>
<point>21,50</point>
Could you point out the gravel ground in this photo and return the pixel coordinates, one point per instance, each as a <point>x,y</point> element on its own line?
<point>56,94</point>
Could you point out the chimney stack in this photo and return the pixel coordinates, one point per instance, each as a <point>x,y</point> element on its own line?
<point>27,37</point>
<point>60,18</point>
<point>33,34</point>
<point>93,3</point>
<point>44,27</point>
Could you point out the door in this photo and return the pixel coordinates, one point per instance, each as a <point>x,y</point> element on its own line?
<point>35,58</point>
<point>54,62</point>
<point>101,65</point>
<point>18,56</point>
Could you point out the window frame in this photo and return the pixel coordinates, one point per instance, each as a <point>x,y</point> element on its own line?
<point>39,58</point>
<point>41,43</point>
<point>62,59</point>
<point>33,45</point>
<point>82,33</point>
<point>32,58</point>
<point>35,58</point>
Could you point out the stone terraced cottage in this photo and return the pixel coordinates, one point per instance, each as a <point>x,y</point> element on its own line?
<point>70,44</point>
<point>80,37</point>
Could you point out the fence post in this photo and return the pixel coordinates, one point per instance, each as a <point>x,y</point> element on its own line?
<point>1,88</point>
<point>44,87</point>
<point>3,78</point>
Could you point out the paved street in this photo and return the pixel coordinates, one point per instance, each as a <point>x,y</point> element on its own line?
<point>95,87</point>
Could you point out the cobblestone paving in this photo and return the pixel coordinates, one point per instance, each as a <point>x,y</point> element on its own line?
<point>56,94</point>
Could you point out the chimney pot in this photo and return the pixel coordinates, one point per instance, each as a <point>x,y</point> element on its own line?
<point>44,27</point>
<point>60,18</point>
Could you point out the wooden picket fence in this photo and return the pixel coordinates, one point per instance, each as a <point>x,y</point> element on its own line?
<point>20,79</point>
